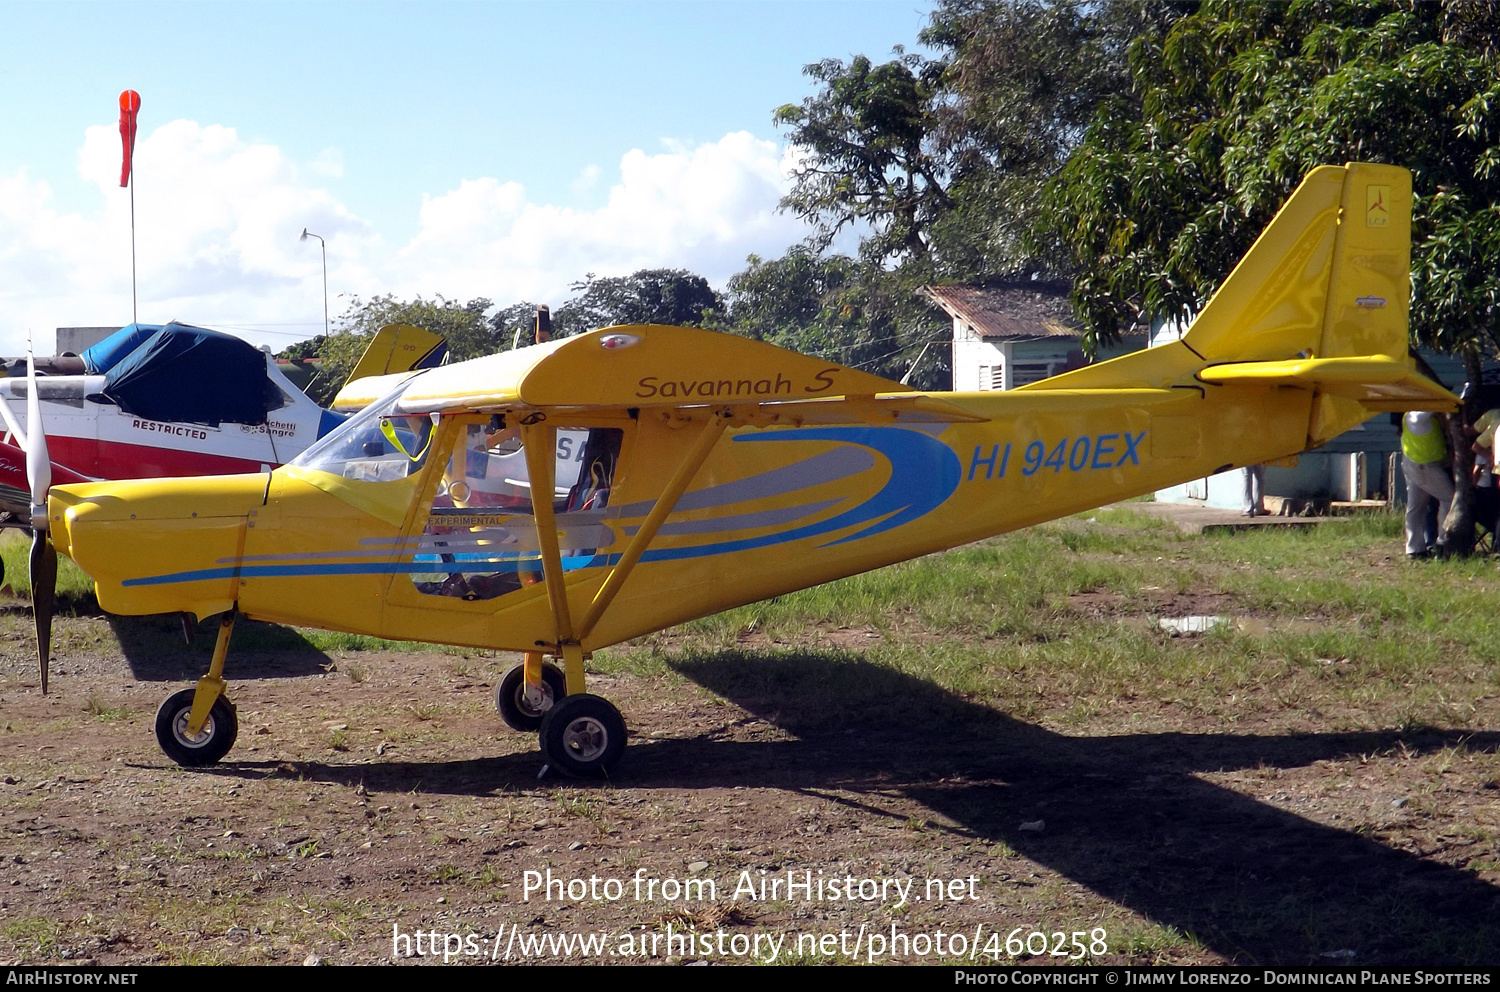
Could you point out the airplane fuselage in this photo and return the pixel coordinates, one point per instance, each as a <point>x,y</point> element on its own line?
<point>90,438</point>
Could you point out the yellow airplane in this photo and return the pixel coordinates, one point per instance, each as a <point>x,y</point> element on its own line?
<point>564,497</point>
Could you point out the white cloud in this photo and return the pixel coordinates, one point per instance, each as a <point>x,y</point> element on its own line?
<point>587,179</point>
<point>328,162</point>
<point>218,221</point>
<point>703,209</point>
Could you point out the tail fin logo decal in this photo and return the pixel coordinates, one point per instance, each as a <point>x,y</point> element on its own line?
<point>1377,213</point>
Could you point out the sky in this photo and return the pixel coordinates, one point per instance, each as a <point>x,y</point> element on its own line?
<point>475,149</point>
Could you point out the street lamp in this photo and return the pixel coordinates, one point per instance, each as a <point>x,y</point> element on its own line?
<point>324,244</point>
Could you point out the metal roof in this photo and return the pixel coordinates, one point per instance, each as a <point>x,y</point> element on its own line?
<point>1016,312</point>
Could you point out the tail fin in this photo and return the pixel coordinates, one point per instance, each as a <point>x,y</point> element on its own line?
<point>1328,278</point>
<point>1320,301</point>
<point>400,348</point>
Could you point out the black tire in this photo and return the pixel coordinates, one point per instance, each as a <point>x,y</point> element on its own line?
<point>510,697</point>
<point>582,736</point>
<point>218,735</point>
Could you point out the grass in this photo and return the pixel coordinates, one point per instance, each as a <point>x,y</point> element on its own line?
<point>1330,629</point>
<point>33,934</point>
<point>1329,619</point>
<point>102,710</point>
<point>74,588</point>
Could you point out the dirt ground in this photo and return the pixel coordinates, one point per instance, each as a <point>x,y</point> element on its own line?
<point>376,810</point>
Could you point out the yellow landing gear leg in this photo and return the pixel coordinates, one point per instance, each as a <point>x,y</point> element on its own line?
<point>584,735</point>
<point>573,668</point>
<point>581,735</point>
<point>198,726</point>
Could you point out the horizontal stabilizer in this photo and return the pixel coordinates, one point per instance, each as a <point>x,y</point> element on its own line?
<point>400,348</point>
<point>1378,382</point>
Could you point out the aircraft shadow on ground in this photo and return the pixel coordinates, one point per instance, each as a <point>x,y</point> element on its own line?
<point>1125,816</point>
<point>155,650</point>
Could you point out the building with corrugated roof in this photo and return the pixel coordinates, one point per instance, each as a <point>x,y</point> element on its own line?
<point>1009,334</point>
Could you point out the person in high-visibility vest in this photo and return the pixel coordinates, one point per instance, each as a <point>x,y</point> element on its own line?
<point>1429,479</point>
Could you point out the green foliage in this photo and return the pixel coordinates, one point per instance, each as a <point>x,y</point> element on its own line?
<point>938,163</point>
<point>769,299</point>
<point>465,327</point>
<point>1020,81</point>
<point>1237,102</point>
<point>514,325</point>
<point>871,156</point>
<point>311,348</point>
<point>847,311</point>
<point>648,296</point>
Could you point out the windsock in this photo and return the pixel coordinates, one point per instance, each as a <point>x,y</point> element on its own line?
<point>130,105</point>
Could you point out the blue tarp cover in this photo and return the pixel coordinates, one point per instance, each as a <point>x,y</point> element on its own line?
<point>183,373</point>
<point>107,353</point>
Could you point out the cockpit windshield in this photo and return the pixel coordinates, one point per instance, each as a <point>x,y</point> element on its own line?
<point>378,444</point>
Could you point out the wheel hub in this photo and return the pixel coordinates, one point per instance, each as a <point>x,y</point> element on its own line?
<point>179,727</point>
<point>535,700</point>
<point>586,738</point>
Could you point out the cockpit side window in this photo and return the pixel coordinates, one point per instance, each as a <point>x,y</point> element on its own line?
<point>480,537</point>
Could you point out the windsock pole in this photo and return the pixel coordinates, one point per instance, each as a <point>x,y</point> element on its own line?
<point>130,106</point>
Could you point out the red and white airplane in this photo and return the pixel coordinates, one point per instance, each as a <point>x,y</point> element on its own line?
<point>175,400</point>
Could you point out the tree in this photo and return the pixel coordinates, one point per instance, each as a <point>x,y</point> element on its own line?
<point>869,154</point>
<point>1170,187</point>
<point>943,158</point>
<point>835,307</point>
<point>464,327</point>
<point>648,296</point>
<point>1021,79</point>
<point>514,324</point>
<point>777,299</point>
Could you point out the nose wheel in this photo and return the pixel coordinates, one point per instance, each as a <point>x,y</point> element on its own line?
<point>182,738</point>
<point>205,747</point>
<point>582,736</point>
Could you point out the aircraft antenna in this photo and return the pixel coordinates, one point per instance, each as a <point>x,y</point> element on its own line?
<point>907,377</point>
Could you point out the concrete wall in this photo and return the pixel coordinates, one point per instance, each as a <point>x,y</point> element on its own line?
<point>1317,475</point>
<point>76,340</point>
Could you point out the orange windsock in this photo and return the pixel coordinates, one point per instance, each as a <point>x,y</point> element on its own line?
<point>130,105</point>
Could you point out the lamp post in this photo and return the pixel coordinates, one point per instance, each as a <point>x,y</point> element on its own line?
<point>305,235</point>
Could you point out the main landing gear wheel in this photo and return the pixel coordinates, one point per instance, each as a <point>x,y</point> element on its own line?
<point>211,744</point>
<point>510,697</point>
<point>582,736</point>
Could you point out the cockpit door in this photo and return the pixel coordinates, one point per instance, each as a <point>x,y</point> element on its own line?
<point>473,550</point>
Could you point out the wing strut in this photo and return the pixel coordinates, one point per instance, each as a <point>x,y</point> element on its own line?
<point>540,440</point>
<point>541,443</point>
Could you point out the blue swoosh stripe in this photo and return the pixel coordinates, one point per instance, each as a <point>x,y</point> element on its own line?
<point>924,473</point>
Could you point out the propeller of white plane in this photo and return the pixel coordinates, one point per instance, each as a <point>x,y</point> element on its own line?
<point>43,554</point>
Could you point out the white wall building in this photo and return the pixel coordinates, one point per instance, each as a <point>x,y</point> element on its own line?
<point>1008,335</point>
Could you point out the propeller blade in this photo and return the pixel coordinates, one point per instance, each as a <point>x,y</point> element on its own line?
<point>43,554</point>
<point>38,462</point>
<point>43,596</point>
